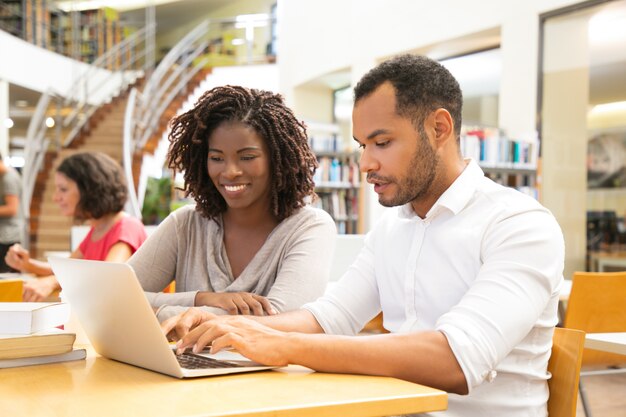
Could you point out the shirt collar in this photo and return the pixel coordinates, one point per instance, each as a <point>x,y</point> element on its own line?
<point>456,197</point>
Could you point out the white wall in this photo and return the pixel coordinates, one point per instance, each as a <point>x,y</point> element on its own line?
<point>324,36</point>
<point>38,69</point>
<point>4,114</point>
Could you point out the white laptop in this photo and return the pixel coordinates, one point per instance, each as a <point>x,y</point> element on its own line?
<point>120,323</point>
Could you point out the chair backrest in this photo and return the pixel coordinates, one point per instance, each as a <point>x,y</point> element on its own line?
<point>347,247</point>
<point>564,365</point>
<point>11,290</point>
<point>597,304</point>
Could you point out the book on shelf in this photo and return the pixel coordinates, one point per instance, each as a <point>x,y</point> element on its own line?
<point>51,342</point>
<point>27,318</point>
<point>72,355</point>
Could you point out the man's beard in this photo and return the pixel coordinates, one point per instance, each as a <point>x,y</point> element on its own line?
<point>419,176</point>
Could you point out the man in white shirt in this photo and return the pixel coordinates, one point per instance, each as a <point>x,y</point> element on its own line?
<point>465,271</point>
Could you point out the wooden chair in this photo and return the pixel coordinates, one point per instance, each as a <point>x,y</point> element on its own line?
<point>564,365</point>
<point>11,290</point>
<point>597,304</point>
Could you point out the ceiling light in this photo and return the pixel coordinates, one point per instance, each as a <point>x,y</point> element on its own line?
<point>49,121</point>
<point>8,123</point>
<point>251,20</point>
<point>16,161</point>
<point>119,5</point>
<point>616,106</point>
<point>21,103</point>
<point>252,17</point>
<point>607,27</point>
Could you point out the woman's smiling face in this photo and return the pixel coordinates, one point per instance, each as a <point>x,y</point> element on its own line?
<point>238,165</point>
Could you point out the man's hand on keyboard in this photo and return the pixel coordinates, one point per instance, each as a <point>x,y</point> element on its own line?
<point>178,326</point>
<point>253,340</point>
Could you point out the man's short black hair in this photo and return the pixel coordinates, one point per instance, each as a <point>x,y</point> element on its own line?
<point>422,86</point>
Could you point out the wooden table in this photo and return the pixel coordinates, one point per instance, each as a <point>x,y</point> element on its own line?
<point>101,387</point>
<point>608,342</point>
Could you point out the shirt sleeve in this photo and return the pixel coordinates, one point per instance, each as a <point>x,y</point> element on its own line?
<point>155,265</point>
<point>133,233</point>
<point>352,301</point>
<point>304,269</point>
<point>12,185</point>
<point>521,271</point>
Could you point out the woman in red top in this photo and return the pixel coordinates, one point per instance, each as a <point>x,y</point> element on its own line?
<point>89,187</point>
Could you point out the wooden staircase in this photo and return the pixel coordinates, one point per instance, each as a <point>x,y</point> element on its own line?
<point>49,229</point>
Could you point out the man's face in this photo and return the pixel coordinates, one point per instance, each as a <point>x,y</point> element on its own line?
<point>398,160</point>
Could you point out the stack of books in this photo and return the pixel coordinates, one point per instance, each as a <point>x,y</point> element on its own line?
<point>30,334</point>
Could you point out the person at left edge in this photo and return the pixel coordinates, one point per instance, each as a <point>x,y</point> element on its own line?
<point>11,222</point>
<point>88,186</point>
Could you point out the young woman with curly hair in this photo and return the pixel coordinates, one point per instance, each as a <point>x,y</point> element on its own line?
<point>250,245</point>
<point>88,187</point>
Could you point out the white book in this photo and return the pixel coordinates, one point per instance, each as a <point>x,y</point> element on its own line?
<point>27,318</point>
<point>73,355</point>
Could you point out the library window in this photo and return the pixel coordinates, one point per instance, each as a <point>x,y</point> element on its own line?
<point>583,119</point>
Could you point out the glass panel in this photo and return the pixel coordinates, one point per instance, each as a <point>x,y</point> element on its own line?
<point>478,75</point>
<point>584,132</point>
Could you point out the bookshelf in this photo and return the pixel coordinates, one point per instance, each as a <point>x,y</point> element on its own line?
<point>100,30</point>
<point>12,18</point>
<point>83,35</point>
<point>508,161</point>
<point>27,19</point>
<point>337,180</point>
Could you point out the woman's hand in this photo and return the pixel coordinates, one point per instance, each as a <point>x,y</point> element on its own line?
<point>39,289</point>
<point>236,302</point>
<point>18,258</point>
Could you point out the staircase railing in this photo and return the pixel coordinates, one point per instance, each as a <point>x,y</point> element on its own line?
<point>99,84</point>
<point>210,43</point>
<point>34,152</point>
<point>169,78</point>
<point>71,110</point>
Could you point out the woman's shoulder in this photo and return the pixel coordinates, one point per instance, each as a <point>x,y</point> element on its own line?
<point>188,217</point>
<point>131,221</point>
<point>309,216</point>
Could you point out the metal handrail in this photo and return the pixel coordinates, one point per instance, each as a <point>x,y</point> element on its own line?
<point>163,77</point>
<point>34,152</point>
<point>168,79</point>
<point>107,84</point>
<point>132,205</point>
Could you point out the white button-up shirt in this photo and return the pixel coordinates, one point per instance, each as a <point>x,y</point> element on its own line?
<point>484,267</point>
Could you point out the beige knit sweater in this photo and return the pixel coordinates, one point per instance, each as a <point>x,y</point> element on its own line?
<point>290,269</point>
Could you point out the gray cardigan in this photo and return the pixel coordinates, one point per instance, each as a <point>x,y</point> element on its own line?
<point>290,269</point>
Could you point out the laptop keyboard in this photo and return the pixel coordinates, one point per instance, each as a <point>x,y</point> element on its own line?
<point>192,361</point>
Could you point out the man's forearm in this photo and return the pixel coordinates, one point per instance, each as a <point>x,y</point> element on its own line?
<point>424,357</point>
<point>300,320</point>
